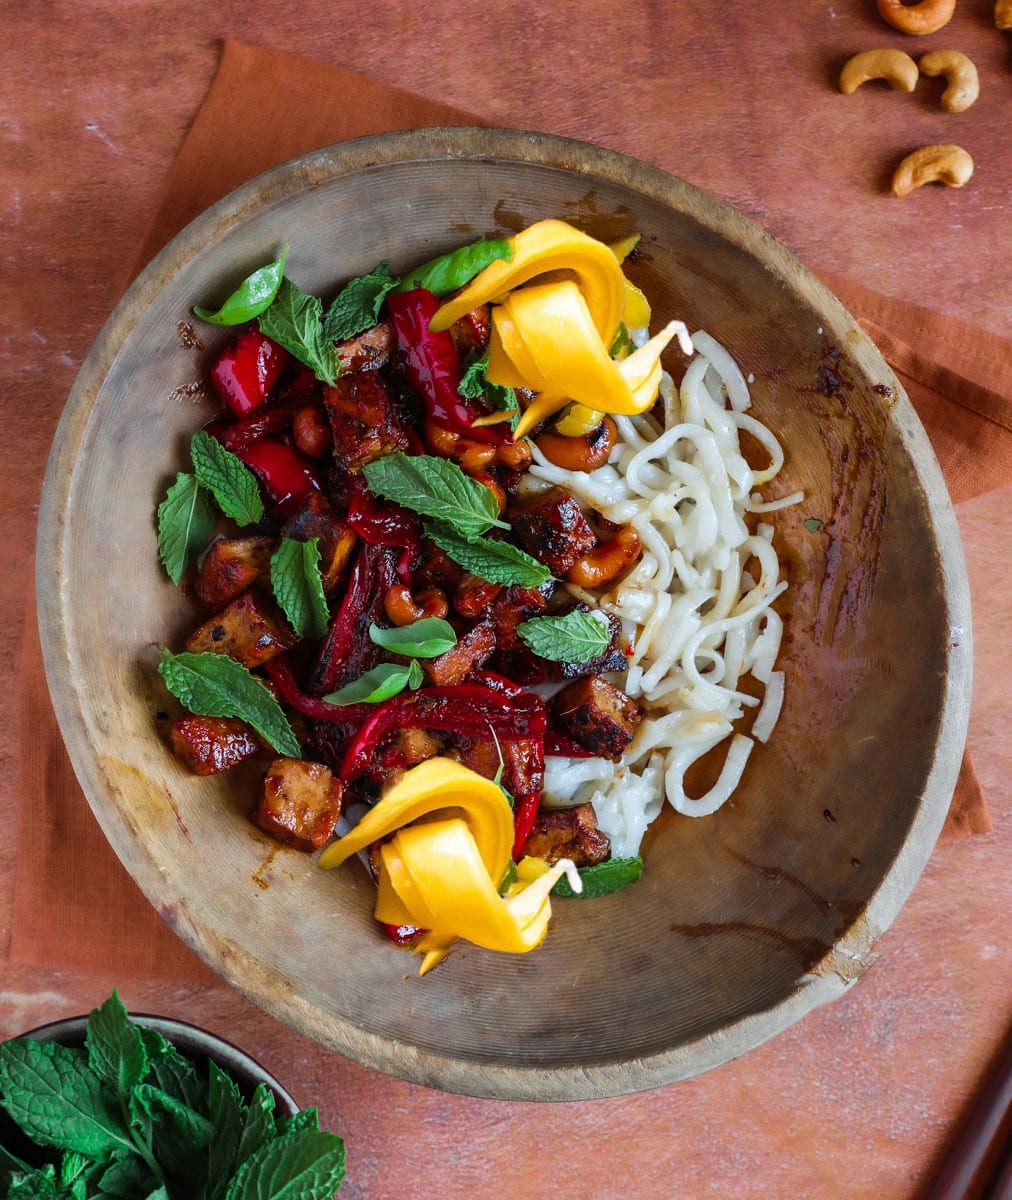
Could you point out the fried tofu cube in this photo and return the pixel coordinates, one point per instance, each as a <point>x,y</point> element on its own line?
<point>301,803</point>
<point>568,833</point>
<point>553,528</point>
<point>471,653</point>
<point>363,419</point>
<point>211,745</point>
<point>246,629</point>
<point>336,542</point>
<point>367,351</point>
<point>597,714</point>
<point>230,566</point>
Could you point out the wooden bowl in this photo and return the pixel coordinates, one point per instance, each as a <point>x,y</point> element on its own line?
<point>743,921</point>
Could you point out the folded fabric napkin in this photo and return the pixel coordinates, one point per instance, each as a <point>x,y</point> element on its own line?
<point>80,910</point>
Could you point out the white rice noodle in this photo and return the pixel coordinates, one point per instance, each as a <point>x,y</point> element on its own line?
<point>696,607</point>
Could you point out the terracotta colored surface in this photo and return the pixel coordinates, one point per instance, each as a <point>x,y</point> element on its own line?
<point>860,1097</point>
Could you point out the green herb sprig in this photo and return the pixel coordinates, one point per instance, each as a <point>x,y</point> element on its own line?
<point>576,636</point>
<point>603,879</point>
<point>253,296</point>
<point>127,1115</point>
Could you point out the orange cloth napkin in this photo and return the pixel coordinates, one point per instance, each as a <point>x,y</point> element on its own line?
<point>80,910</point>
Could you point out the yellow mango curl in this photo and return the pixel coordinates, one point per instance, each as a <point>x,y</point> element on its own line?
<point>452,836</point>
<point>556,309</point>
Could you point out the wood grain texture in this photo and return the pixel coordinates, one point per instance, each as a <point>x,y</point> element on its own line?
<point>861,1097</point>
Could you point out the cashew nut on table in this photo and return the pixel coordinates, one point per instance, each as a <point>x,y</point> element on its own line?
<point>927,17</point>
<point>963,86</point>
<point>894,65</point>
<point>950,165</point>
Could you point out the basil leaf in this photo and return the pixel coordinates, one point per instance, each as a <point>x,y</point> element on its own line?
<point>416,676</point>
<point>227,478</point>
<point>295,321</point>
<point>476,385</point>
<point>427,638</point>
<point>298,587</point>
<point>115,1048</point>
<point>303,1163</point>
<point>451,271</point>
<point>435,487</point>
<point>606,877</point>
<point>382,682</point>
<point>357,306</point>
<point>185,525</point>
<point>214,685</point>
<point>575,637</point>
<point>58,1100</point>
<point>497,562</point>
<point>255,294</point>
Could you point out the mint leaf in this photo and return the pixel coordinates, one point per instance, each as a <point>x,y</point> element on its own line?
<point>260,1126</point>
<point>227,1112</point>
<point>576,637</point>
<point>295,321</point>
<point>306,1118</point>
<point>498,562</point>
<point>451,271</point>
<point>357,306</point>
<point>295,578</point>
<point>52,1093</point>
<point>115,1049</point>
<point>606,877</point>
<point>185,524</point>
<point>173,1072</point>
<point>382,682</point>
<point>227,478</point>
<point>435,487</point>
<point>191,1130</point>
<point>303,1164</point>
<point>427,638</point>
<point>127,1177</point>
<point>36,1183</point>
<point>214,685</point>
<point>255,294</point>
<point>475,385</point>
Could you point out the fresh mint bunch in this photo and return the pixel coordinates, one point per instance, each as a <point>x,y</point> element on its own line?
<point>128,1116</point>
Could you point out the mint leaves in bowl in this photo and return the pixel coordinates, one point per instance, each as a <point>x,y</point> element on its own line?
<point>152,1109</point>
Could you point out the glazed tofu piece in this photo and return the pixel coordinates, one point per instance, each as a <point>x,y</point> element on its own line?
<point>363,419</point>
<point>210,745</point>
<point>316,519</point>
<point>597,714</point>
<point>301,803</point>
<point>568,833</point>
<point>247,629</point>
<point>471,652</point>
<point>230,567</point>
<point>554,530</point>
<point>367,351</point>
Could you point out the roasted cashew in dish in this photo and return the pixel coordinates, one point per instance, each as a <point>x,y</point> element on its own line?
<point>404,609</point>
<point>607,560</point>
<point>950,165</point>
<point>927,17</point>
<point>960,76</point>
<point>899,68</point>
<point>1003,14</point>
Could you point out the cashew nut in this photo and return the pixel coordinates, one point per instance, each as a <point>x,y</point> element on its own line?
<point>404,609</point>
<point>580,453</point>
<point>927,17</point>
<point>950,165</point>
<point>960,76</point>
<point>607,560</point>
<point>1003,14</point>
<point>899,68</point>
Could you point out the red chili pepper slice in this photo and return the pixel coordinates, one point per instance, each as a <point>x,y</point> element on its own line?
<point>247,370</point>
<point>382,522</point>
<point>432,365</point>
<point>287,476</point>
<point>525,810</point>
<point>280,674</point>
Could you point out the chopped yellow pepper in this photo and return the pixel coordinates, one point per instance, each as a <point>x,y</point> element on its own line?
<point>440,871</point>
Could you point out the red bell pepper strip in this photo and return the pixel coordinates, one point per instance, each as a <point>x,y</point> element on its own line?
<point>402,935</point>
<point>280,674</point>
<point>287,476</point>
<point>525,810</point>
<point>469,709</point>
<point>382,522</point>
<point>247,430</point>
<point>432,366</point>
<point>348,651</point>
<point>247,371</point>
